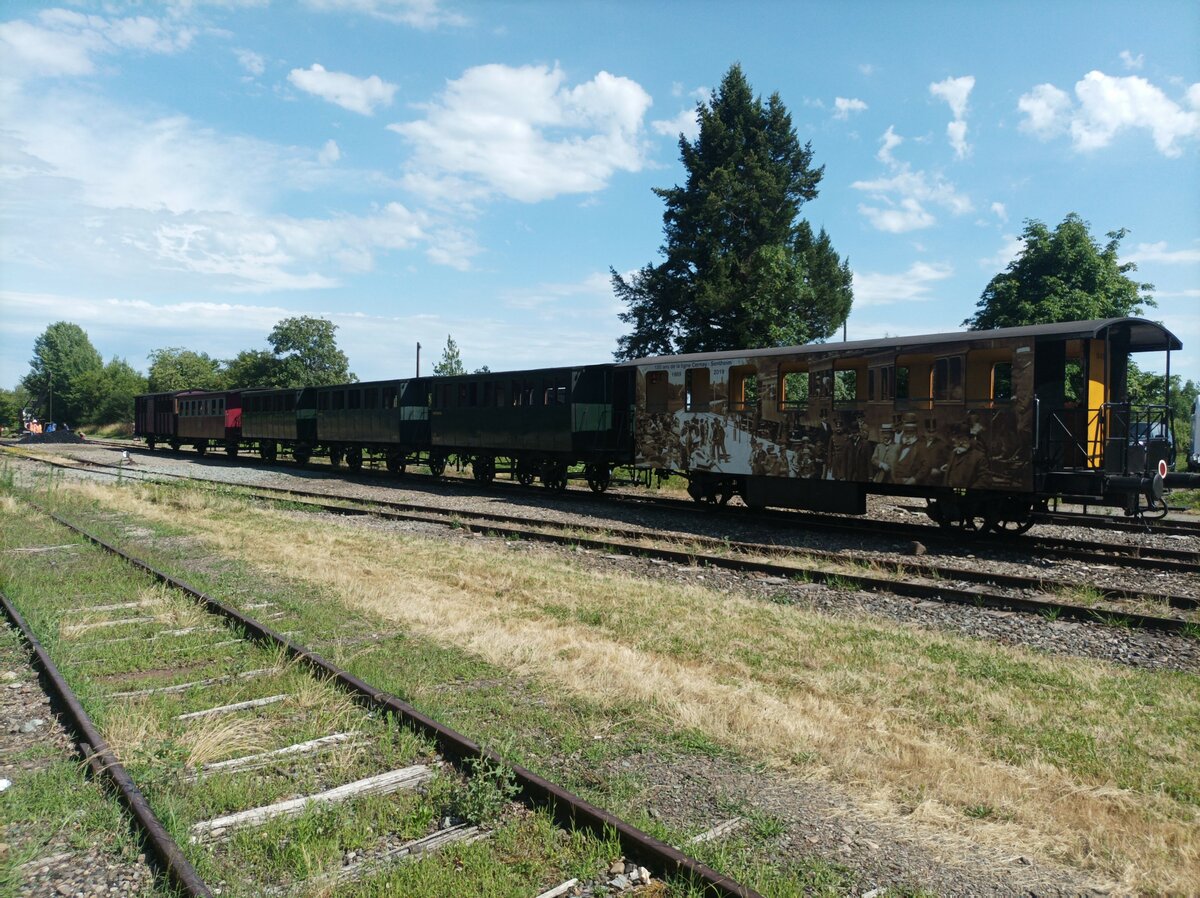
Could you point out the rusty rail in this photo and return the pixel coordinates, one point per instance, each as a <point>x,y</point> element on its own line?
<point>567,808</point>
<point>103,763</point>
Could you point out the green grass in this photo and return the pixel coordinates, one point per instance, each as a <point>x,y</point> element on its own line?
<point>529,721</point>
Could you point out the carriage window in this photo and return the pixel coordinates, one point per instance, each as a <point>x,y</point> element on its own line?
<point>499,395</point>
<point>322,402</point>
<point>794,392</point>
<point>389,397</point>
<point>697,390</point>
<point>473,394</point>
<point>948,379</point>
<point>556,390</point>
<point>743,388</point>
<point>900,384</point>
<point>489,394</point>
<point>339,400</point>
<point>658,389</point>
<point>353,399</point>
<point>371,398</point>
<point>1002,388</point>
<point>879,387</point>
<point>289,402</point>
<point>845,385</point>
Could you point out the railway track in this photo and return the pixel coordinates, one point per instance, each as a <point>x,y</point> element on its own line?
<point>1142,557</point>
<point>916,579</point>
<point>363,759</point>
<point>1151,558</point>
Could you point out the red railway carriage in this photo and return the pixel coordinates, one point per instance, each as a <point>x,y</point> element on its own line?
<point>208,418</point>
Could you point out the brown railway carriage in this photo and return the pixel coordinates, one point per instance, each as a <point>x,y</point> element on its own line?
<point>985,424</point>
<point>205,418</point>
<point>155,418</point>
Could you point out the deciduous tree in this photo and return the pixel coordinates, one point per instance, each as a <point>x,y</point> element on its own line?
<point>741,268</point>
<point>111,391</point>
<point>307,351</point>
<point>1061,275</point>
<point>62,357</point>
<point>176,368</point>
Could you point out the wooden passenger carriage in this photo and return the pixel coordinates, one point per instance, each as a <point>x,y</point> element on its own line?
<point>985,424</point>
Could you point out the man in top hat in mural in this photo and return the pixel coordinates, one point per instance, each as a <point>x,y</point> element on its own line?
<point>883,457</point>
<point>909,467</point>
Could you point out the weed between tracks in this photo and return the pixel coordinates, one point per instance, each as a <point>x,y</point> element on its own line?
<point>1090,764</point>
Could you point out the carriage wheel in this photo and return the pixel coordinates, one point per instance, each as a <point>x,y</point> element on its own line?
<point>554,476</point>
<point>336,455</point>
<point>437,465</point>
<point>149,442</point>
<point>201,448</point>
<point>302,455</point>
<point>525,473</point>
<point>231,450</point>
<point>598,477</point>
<point>483,468</point>
<point>266,451</point>
<point>395,463</point>
<point>176,445</point>
<point>354,459</point>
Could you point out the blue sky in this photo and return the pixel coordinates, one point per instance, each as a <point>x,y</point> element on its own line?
<point>187,174</point>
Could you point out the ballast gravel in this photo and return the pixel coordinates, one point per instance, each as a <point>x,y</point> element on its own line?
<point>33,738</point>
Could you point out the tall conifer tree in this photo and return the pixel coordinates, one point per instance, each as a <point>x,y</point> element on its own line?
<point>741,269</point>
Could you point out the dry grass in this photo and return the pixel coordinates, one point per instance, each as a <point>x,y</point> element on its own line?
<point>863,699</point>
<point>216,739</point>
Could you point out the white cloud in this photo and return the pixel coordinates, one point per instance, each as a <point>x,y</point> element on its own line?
<point>867,69</point>
<point>523,133</point>
<point>1158,252</point>
<point>361,95</point>
<point>1108,105</point>
<point>330,153</point>
<point>63,42</point>
<point>956,91</point>
<point>889,141</point>
<point>1010,248</point>
<point>999,210</point>
<point>842,107</point>
<point>904,196</point>
<point>1134,63</point>
<point>686,123</point>
<point>423,14</point>
<point>252,62</point>
<point>876,289</point>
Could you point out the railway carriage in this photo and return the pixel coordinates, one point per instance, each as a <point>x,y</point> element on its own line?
<point>984,424</point>
<point>269,420</point>
<point>205,418</point>
<point>387,417</point>
<point>539,423</point>
<point>156,418</point>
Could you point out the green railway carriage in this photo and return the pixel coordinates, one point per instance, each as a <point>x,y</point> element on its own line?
<point>540,422</point>
<point>269,419</point>
<point>387,417</point>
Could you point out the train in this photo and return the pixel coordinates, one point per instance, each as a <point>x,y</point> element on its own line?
<point>987,426</point>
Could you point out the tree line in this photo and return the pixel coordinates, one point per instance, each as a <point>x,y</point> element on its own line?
<point>68,380</point>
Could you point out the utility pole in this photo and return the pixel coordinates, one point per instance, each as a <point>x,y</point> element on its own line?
<point>418,358</point>
<point>50,417</point>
